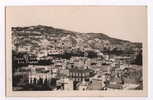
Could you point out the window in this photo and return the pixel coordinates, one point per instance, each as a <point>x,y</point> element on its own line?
<point>71,74</point>
<point>83,74</point>
<point>76,74</point>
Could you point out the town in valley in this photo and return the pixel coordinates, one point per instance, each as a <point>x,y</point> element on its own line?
<point>45,58</point>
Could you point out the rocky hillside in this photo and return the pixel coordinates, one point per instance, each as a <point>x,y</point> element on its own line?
<point>41,37</point>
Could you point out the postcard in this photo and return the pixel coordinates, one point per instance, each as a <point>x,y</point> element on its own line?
<point>98,51</point>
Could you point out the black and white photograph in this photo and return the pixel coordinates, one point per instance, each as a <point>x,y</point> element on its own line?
<point>76,49</point>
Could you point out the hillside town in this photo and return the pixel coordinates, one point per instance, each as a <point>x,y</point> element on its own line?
<point>47,62</point>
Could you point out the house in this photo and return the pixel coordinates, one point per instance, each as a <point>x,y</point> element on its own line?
<point>83,85</point>
<point>96,84</point>
<point>56,51</point>
<point>115,83</point>
<point>42,53</point>
<point>68,84</point>
<point>78,61</point>
<point>21,76</point>
<point>25,48</point>
<point>65,84</point>
<point>77,74</point>
<point>39,72</point>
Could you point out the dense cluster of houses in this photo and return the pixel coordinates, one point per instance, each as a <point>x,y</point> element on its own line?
<point>77,73</point>
<point>49,69</point>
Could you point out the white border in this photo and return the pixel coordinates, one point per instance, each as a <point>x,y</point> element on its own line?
<point>149,3</point>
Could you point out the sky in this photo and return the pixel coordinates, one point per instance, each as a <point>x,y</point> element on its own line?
<point>123,22</point>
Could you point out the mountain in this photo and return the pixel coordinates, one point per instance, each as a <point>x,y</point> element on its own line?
<point>40,37</point>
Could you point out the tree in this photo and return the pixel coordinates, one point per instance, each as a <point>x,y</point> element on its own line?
<point>138,60</point>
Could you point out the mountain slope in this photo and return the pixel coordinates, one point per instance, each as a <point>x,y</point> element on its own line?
<point>38,37</point>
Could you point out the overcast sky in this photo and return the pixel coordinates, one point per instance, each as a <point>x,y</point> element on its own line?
<point>123,22</point>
